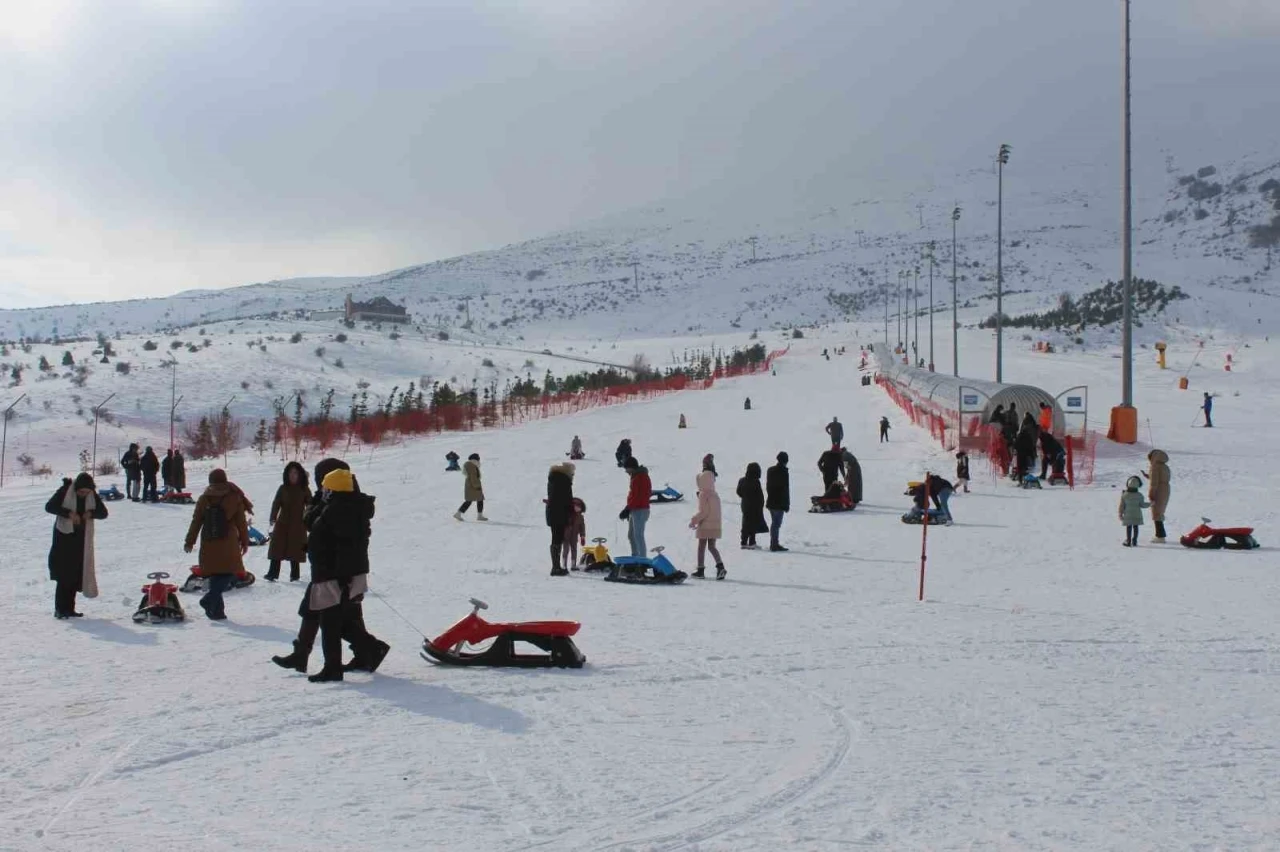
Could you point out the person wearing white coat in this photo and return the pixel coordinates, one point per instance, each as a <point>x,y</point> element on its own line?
<point>707,523</point>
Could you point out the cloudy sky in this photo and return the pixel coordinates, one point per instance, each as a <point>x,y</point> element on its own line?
<point>152,146</point>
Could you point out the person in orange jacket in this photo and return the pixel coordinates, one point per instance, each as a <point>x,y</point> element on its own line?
<point>1046,418</point>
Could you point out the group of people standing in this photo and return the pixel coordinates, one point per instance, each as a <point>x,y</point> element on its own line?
<point>142,468</point>
<point>1024,438</point>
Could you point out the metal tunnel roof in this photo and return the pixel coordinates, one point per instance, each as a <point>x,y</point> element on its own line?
<point>969,396</point>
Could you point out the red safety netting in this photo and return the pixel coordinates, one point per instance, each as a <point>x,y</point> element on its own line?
<point>300,441</point>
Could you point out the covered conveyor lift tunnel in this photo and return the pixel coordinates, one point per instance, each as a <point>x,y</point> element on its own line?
<point>959,408</point>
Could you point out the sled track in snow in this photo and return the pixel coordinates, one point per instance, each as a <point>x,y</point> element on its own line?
<point>727,818</point>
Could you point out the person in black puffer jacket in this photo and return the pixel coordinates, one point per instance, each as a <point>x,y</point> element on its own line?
<point>559,511</point>
<point>342,551</point>
<point>752,496</point>
<point>778,499</point>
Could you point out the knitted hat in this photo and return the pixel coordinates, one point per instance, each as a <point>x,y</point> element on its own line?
<point>630,463</point>
<point>473,457</point>
<point>217,476</point>
<point>708,460</point>
<point>783,458</point>
<point>339,480</point>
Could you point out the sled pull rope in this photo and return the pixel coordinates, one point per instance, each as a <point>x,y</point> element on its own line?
<point>399,614</point>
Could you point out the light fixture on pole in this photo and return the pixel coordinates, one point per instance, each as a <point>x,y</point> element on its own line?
<point>1002,158</point>
<point>4,441</point>
<point>955,321</point>
<point>97,415</point>
<point>886,307</point>
<point>1124,417</point>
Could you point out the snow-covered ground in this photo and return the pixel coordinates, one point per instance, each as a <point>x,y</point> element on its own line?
<point>1055,691</point>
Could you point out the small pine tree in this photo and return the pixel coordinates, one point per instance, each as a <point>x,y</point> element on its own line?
<point>260,438</point>
<point>45,366</point>
<point>68,360</point>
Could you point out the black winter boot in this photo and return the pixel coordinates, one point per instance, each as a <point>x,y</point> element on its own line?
<point>368,656</point>
<point>297,660</point>
<point>273,570</point>
<point>699,572</point>
<point>721,573</point>
<point>556,570</point>
<point>295,572</point>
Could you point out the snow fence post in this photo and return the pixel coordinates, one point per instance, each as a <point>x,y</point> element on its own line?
<point>924,534</point>
<point>1071,472</point>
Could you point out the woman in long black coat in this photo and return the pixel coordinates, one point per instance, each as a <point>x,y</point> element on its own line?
<point>559,511</point>
<point>752,497</point>
<point>71,554</point>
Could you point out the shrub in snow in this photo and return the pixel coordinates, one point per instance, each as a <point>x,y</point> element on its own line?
<point>296,337</point>
<point>122,367</point>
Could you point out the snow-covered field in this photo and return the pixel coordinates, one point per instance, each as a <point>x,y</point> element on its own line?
<point>1055,691</point>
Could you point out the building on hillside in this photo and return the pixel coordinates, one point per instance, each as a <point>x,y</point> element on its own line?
<point>381,309</point>
<point>327,315</point>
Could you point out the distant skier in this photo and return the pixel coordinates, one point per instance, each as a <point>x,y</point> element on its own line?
<point>623,452</point>
<point>1131,506</point>
<point>884,430</point>
<point>1052,457</point>
<point>1046,418</point>
<point>752,497</point>
<point>746,406</point>
<point>472,489</point>
<point>452,458</point>
<point>778,501</point>
<point>575,449</point>
<point>684,424</point>
<point>166,470</point>
<point>129,462</point>
<point>1207,408</point>
<point>836,430</point>
<point>962,470</point>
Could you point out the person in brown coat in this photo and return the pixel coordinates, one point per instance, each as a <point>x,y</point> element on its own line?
<point>289,533</point>
<point>1158,490</point>
<point>220,522</point>
<point>472,490</point>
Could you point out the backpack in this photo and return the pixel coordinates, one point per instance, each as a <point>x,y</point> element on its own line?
<point>214,525</point>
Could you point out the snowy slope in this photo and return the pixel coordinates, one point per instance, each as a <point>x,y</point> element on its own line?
<point>1055,691</point>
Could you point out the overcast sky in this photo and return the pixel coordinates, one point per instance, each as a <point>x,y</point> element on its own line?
<point>152,146</point>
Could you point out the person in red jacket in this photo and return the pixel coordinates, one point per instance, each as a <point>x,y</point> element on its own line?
<point>636,514</point>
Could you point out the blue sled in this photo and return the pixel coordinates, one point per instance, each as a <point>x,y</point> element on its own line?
<point>110,494</point>
<point>643,570</point>
<point>915,516</point>
<point>666,495</point>
<point>256,538</point>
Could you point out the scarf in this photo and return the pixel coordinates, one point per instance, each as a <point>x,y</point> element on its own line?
<point>89,579</point>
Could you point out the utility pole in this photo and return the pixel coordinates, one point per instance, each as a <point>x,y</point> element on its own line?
<point>97,415</point>
<point>1001,159</point>
<point>920,210</point>
<point>4,441</point>
<point>898,298</point>
<point>225,429</point>
<point>932,248</point>
<point>955,313</point>
<point>635,274</point>
<point>753,241</point>
<point>173,401</point>
<point>886,306</point>
<point>1124,418</point>
<point>915,345</point>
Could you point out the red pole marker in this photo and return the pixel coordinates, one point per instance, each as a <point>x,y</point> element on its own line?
<point>924,535</point>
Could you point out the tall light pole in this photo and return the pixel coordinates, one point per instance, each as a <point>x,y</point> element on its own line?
<point>1002,158</point>
<point>932,248</point>
<point>1127,238</point>
<point>901,319</point>
<point>173,402</point>
<point>753,241</point>
<point>955,313</point>
<point>97,415</point>
<point>1124,417</point>
<point>4,441</point>
<point>635,274</point>
<point>915,345</point>
<point>886,306</point>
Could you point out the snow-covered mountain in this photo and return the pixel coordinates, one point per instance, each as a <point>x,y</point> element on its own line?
<point>1198,228</point>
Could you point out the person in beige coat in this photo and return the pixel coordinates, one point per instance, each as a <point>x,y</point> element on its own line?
<point>472,490</point>
<point>708,522</point>
<point>1158,490</point>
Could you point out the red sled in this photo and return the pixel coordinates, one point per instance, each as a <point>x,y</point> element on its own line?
<point>463,644</point>
<point>198,582</point>
<point>1206,537</point>
<point>159,601</point>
